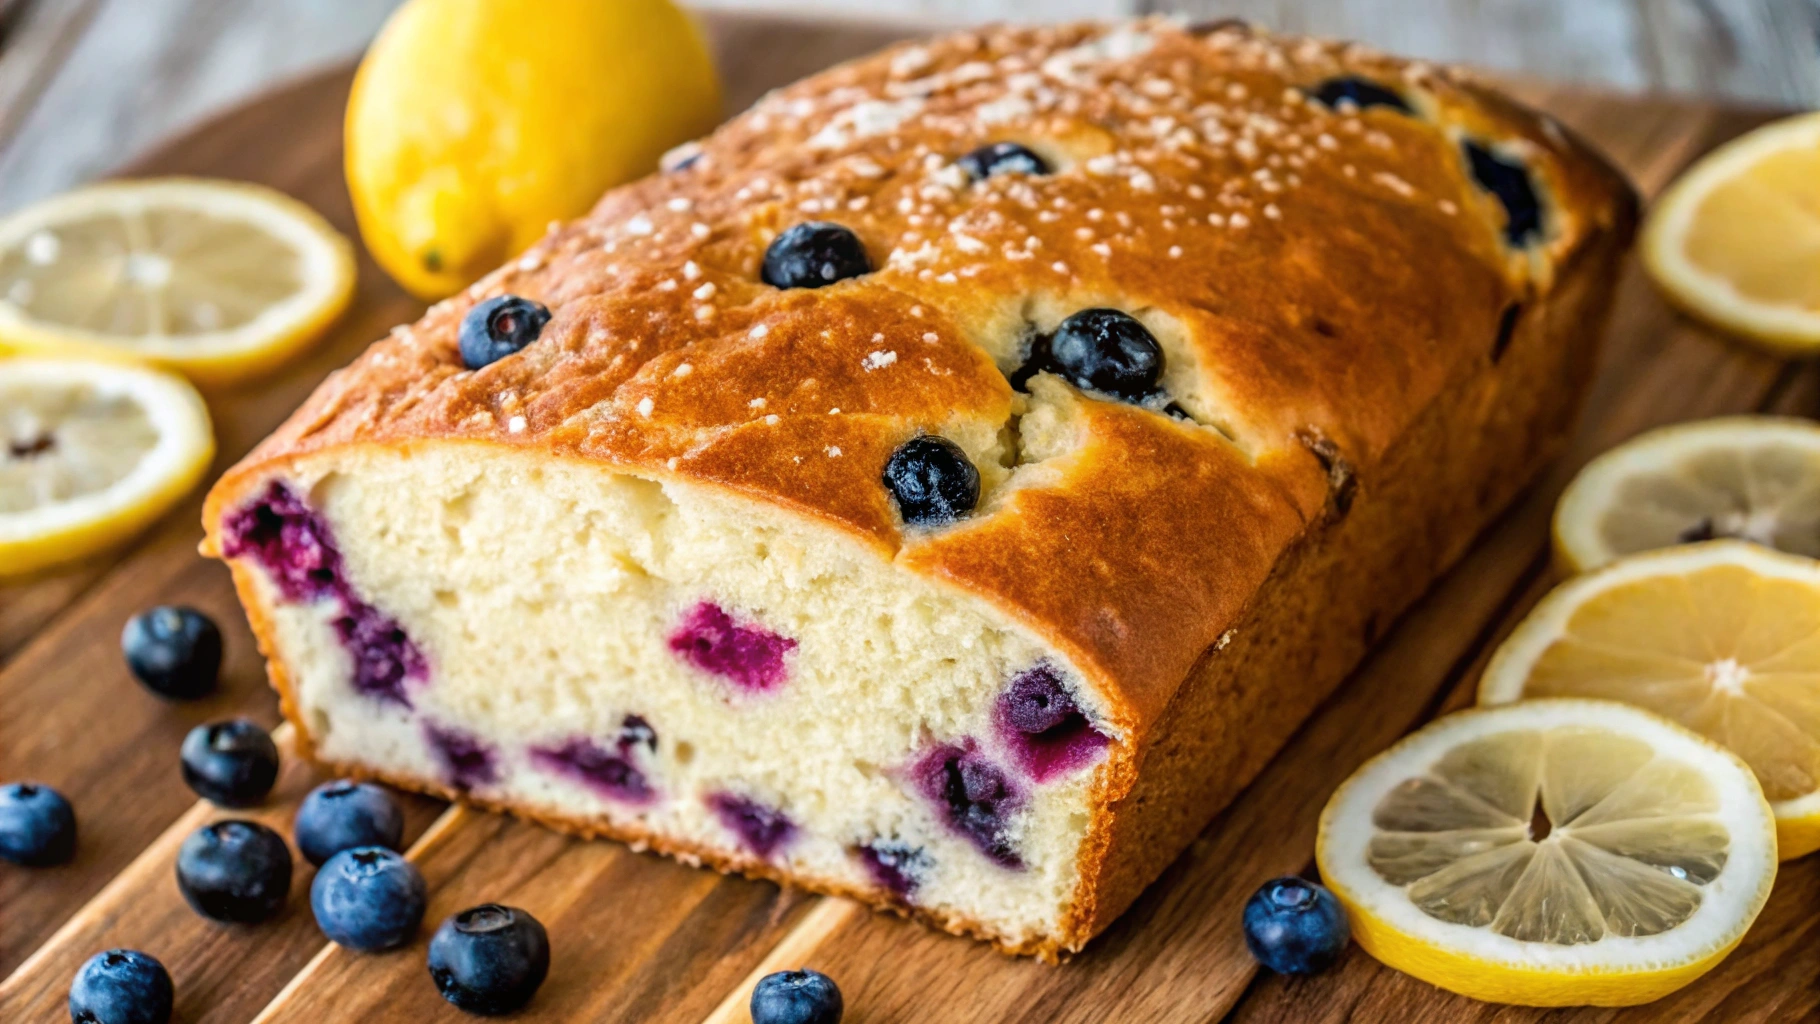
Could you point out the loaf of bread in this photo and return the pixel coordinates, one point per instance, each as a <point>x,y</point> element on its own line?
<point>947,484</point>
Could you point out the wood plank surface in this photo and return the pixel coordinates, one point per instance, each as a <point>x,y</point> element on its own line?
<point>229,970</point>
<point>639,938</point>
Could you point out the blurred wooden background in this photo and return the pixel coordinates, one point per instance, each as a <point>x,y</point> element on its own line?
<point>86,84</point>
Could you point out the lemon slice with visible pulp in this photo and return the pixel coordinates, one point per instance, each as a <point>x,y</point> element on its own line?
<point>89,454</point>
<point>1551,853</point>
<point>1754,478</point>
<point>1736,240</point>
<point>218,280</point>
<point>1723,637</point>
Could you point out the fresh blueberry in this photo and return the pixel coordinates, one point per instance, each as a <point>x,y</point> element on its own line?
<point>932,481</point>
<point>1294,926</point>
<point>121,986</point>
<point>1107,351</point>
<point>37,825</point>
<point>489,959</point>
<point>1002,158</point>
<point>174,651</point>
<point>339,816</point>
<point>796,997</point>
<point>498,327</point>
<point>231,763</point>
<point>368,898</point>
<point>1359,92</point>
<point>813,254</point>
<point>1508,180</point>
<point>238,871</point>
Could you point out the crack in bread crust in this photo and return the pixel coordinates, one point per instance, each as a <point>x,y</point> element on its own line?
<point>1321,281</point>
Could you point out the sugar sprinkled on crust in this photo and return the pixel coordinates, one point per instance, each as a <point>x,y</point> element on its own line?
<point>1284,254</point>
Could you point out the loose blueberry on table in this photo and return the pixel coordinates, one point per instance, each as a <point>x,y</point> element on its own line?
<point>174,651</point>
<point>1294,926</point>
<point>1360,93</point>
<point>368,898</point>
<point>932,481</point>
<point>37,825</point>
<point>232,763</point>
<point>121,986</point>
<point>498,327</point>
<point>1001,158</point>
<point>489,959</point>
<point>814,254</point>
<point>1108,351</point>
<point>341,815</point>
<point>796,997</point>
<point>234,871</point>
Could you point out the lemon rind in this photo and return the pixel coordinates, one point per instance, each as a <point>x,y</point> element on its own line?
<point>213,358</point>
<point>1798,819</point>
<point>1395,932</point>
<point>1784,330</point>
<point>68,531</point>
<point>1578,547</point>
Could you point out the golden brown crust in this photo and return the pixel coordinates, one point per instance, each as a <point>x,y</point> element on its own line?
<point>1322,282</point>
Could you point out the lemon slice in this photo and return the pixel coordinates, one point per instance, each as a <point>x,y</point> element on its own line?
<point>218,280</point>
<point>89,454</point>
<point>1754,478</point>
<point>1551,853</point>
<point>1723,637</point>
<point>1736,240</point>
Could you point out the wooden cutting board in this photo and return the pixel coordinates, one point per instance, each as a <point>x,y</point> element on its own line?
<point>640,938</point>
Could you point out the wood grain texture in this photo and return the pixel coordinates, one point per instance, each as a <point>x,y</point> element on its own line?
<point>640,938</point>
<point>92,732</point>
<point>634,938</point>
<point>228,972</point>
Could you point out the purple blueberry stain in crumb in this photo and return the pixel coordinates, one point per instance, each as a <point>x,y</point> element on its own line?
<point>750,657</point>
<point>1044,728</point>
<point>467,762</point>
<point>384,657</point>
<point>610,774</point>
<point>760,827</point>
<point>290,540</point>
<point>975,796</point>
<point>896,867</point>
<point>294,545</point>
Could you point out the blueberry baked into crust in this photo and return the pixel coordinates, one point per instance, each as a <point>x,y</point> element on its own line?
<point>952,481</point>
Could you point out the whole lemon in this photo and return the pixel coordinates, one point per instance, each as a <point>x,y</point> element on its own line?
<point>475,123</point>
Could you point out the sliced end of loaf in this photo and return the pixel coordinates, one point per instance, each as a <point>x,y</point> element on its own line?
<point>673,665</point>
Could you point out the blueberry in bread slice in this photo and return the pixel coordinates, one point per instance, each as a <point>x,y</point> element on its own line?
<point>948,483</point>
